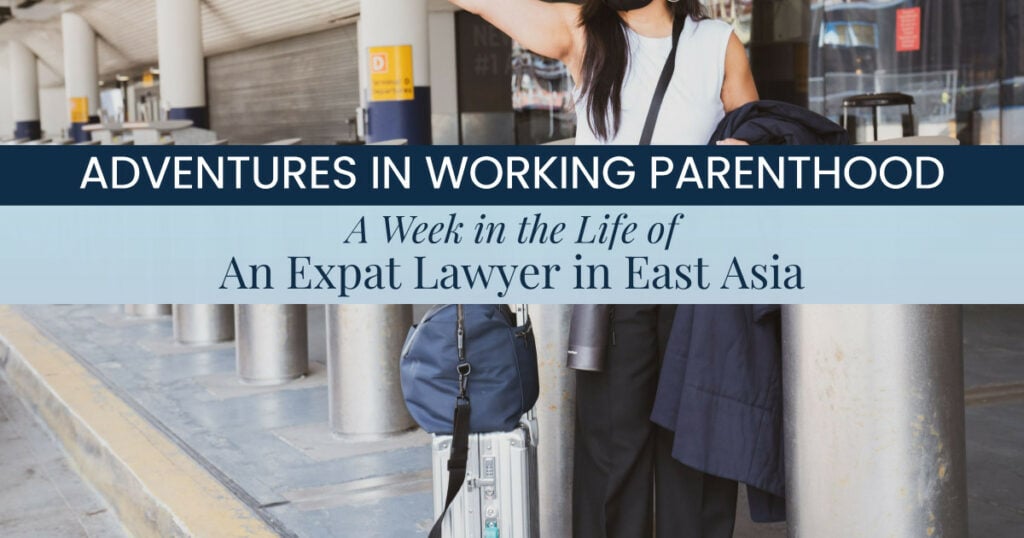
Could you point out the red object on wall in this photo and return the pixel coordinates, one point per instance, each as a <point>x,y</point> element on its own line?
<point>908,29</point>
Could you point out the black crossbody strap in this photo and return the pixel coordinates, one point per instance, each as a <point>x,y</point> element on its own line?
<point>458,456</point>
<point>663,82</point>
<point>457,461</point>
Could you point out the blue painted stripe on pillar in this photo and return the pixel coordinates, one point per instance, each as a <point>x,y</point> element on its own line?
<point>199,115</point>
<point>401,119</point>
<point>32,130</point>
<point>77,134</point>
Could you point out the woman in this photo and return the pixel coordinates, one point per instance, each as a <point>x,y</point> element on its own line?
<point>615,51</point>
<point>626,483</point>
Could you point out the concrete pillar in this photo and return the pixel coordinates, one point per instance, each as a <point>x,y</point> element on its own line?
<point>272,346</point>
<point>364,346</point>
<point>444,79</point>
<point>81,74</point>
<point>147,310</point>
<point>394,46</point>
<point>556,417</point>
<point>203,324</point>
<point>874,420</point>
<point>24,91</point>
<point>182,65</point>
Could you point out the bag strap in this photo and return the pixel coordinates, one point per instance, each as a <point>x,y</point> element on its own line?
<point>458,458</point>
<point>663,82</point>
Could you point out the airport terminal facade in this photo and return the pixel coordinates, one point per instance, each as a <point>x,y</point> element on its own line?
<point>272,71</point>
<point>288,419</point>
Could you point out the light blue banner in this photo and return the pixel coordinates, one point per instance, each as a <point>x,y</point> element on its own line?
<point>824,255</point>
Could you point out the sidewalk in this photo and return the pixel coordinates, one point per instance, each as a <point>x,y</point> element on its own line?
<point>271,448</point>
<point>41,495</point>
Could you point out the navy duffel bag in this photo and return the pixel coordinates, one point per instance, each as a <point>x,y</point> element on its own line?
<point>495,368</point>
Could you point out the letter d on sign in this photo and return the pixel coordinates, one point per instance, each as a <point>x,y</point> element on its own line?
<point>940,173</point>
<point>115,180</point>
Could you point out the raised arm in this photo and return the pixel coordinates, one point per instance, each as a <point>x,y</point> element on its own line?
<point>548,29</point>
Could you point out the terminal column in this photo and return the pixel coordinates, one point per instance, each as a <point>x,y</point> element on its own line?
<point>364,348</point>
<point>203,324</point>
<point>556,417</point>
<point>182,67</point>
<point>272,343</point>
<point>24,92</point>
<point>81,74</point>
<point>394,47</point>
<point>874,420</point>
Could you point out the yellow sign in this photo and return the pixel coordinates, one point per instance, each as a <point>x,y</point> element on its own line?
<point>79,110</point>
<point>391,73</point>
<point>147,80</point>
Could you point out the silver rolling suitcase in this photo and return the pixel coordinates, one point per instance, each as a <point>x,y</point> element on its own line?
<point>499,497</point>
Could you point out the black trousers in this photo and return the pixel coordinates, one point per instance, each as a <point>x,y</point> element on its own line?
<point>626,483</point>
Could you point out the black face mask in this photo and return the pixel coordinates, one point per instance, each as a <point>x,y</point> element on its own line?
<point>626,5</point>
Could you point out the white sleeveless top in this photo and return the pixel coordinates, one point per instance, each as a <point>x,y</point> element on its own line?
<point>693,103</point>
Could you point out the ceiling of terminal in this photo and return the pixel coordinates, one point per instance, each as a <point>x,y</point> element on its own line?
<point>127,28</point>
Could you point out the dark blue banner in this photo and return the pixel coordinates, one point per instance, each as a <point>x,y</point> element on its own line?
<point>510,175</point>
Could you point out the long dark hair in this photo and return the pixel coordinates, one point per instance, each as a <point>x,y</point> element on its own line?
<point>606,58</point>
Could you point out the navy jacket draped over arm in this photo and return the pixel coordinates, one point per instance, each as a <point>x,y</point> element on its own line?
<point>720,388</point>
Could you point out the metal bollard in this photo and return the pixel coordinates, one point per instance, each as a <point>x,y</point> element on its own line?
<point>316,321</point>
<point>556,417</point>
<point>200,324</point>
<point>364,343</point>
<point>874,402</point>
<point>147,310</point>
<point>272,346</point>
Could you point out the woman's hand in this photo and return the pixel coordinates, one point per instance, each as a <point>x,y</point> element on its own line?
<point>732,142</point>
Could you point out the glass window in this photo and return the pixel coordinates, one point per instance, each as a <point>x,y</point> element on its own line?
<point>959,59</point>
<point>542,97</point>
<point>848,34</point>
<point>863,35</point>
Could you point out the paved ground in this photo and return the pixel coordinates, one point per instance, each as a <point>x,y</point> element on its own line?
<point>40,495</point>
<point>272,443</point>
<point>994,359</point>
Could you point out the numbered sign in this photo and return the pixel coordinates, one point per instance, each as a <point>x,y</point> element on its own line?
<point>391,73</point>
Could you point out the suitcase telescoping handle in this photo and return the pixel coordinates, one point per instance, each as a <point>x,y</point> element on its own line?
<point>522,314</point>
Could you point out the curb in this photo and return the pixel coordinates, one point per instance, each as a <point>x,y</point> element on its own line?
<point>156,488</point>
